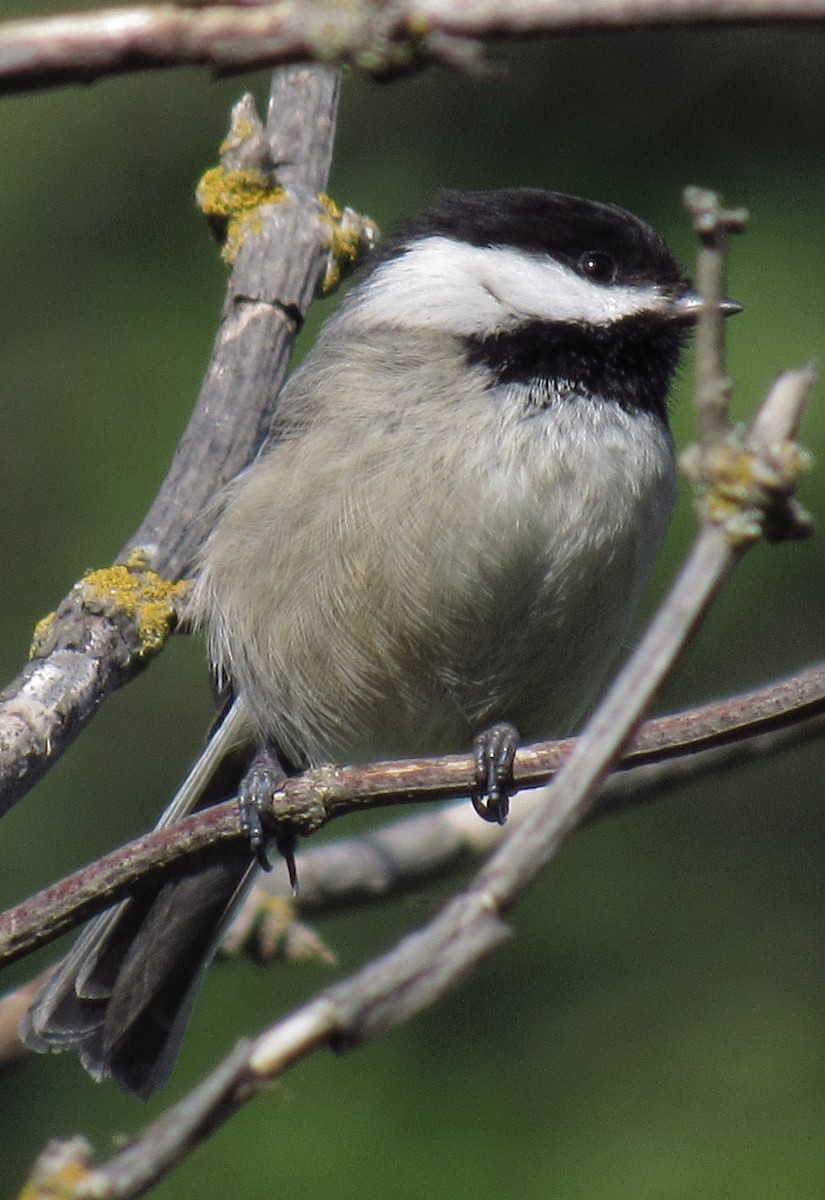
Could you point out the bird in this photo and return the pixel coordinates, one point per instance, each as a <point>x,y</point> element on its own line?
<point>442,544</point>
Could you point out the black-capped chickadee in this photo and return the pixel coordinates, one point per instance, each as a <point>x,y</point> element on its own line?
<point>469,479</point>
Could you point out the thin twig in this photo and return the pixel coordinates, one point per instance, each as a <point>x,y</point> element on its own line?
<point>712,223</point>
<point>144,862</point>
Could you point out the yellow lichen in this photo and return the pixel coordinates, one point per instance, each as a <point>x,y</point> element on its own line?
<point>738,487</point>
<point>349,234</point>
<point>267,926</point>
<point>419,25</point>
<point>42,633</point>
<point>243,130</point>
<point>230,200</point>
<point>60,1171</point>
<point>141,595</point>
<point>330,206</point>
<point>62,1184</point>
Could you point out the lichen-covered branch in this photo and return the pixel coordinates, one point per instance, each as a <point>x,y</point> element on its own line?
<point>111,623</point>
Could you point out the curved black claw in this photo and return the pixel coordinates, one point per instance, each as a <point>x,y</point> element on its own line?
<point>286,844</point>
<point>495,751</point>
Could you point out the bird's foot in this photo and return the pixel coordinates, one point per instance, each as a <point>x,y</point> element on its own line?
<point>261,782</point>
<point>494,751</point>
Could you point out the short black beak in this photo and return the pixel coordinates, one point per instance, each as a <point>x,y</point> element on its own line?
<point>689,307</point>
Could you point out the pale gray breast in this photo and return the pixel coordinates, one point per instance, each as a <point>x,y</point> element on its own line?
<point>402,572</point>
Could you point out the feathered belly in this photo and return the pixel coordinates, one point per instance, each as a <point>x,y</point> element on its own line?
<point>406,610</point>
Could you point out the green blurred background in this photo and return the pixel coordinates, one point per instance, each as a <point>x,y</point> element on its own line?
<point>656,1028</point>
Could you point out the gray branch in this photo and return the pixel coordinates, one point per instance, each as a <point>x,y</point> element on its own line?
<point>380,38</point>
<point>275,277</point>
<point>114,621</point>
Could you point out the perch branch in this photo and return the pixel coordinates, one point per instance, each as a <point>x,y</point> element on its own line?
<point>739,724</point>
<point>404,856</point>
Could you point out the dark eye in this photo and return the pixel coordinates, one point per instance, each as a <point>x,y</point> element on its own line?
<point>598,266</point>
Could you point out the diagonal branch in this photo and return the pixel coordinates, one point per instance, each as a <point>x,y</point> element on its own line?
<point>113,622</point>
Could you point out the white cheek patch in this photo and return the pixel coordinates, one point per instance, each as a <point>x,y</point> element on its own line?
<point>544,289</point>
<point>440,283</point>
